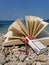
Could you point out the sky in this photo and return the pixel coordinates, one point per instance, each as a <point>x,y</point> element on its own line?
<point>13,9</point>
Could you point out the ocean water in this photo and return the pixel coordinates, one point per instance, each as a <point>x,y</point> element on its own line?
<point>5,24</point>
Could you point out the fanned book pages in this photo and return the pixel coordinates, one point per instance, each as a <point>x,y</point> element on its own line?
<point>33,26</point>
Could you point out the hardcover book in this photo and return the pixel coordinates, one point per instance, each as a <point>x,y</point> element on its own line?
<point>17,30</point>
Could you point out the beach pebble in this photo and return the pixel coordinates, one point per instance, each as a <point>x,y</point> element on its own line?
<point>48,53</point>
<point>31,52</point>
<point>22,57</point>
<point>0,64</point>
<point>41,58</point>
<point>47,62</point>
<point>38,63</point>
<point>16,47</point>
<point>13,58</point>
<point>11,63</point>
<point>2,59</point>
<point>0,47</point>
<point>43,63</point>
<point>23,48</point>
<point>33,55</point>
<point>7,59</point>
<point>34,63</point>
<point>22,63</point>
<point>16,54</point>
<point>48,49</point>
<point>29,60</point>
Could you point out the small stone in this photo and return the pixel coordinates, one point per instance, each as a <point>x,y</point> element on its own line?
<point>34,63</point>
<point>13,58</point>
<point>0,64</point>
<point>43,63</point>
<point>2,59</point>
<point>16,47</point>
<point>33,55</point>
<point>29,60</point>
<point>7,59</point>
<point>41,58</point>
<point>23,48</point>
<point>38,63</point>
<point>48,53</point>
<point>11,63</point>
<point>16,54</point>
<point>31,52</point>
<point>22,57</point>
<point>48,49</point>
<point>0,47</point>
<point>22,63</point>
<point>47,62</point>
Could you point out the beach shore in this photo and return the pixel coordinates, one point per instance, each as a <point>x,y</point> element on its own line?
<point>12,55</point>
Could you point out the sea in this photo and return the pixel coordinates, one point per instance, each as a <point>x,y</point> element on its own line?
<point>4,25</point>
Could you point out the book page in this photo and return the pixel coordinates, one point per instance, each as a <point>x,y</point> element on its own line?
<point>8,42</point>
<point>42,26</point>
<point>15,27</point>
<point>23,28</point>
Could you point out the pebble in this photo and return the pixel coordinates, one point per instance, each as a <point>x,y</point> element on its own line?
<point>0,64</point>
<point>48,49</point>
<point>11,63</point>
<point>0,47</point>
<point>47,62</point>
<point>31,52</point>
<point>48,53</point>
<point>34,63</point>
<point>41,58</point>
<point>2,59</point>
<point>43,63</point>
<point>33,55</point>
<point>29,60</point>
<point>17,54</point>
<point>38,63</point>
<point>22,57</point>
<point>22,63</point>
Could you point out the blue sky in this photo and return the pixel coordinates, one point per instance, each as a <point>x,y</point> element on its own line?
<point>12,9</point>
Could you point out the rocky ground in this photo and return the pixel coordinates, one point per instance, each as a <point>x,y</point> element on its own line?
<point>13,56</point>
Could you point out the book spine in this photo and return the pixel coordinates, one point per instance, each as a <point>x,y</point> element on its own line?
<point>36,49</point>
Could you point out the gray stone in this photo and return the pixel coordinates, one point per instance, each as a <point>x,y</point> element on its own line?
<point>22,63</point>
<point>33,55</point>
<point>2,59</point>
<point>13,58</point>
<point>38,63</point>
<point>43,63</point>
<point>48,53</point>
<point>47,62</point>
<point>16,54</point>
<point>29,60</point>
<point>41,58</point>
<point>22,57</point>
<point>0,64</point>
<point>48,49</point>
<point>0,47</point>
<point>11,63</point>
<point>34,63</point>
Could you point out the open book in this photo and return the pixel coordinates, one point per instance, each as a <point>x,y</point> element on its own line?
<point>33,26</point>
